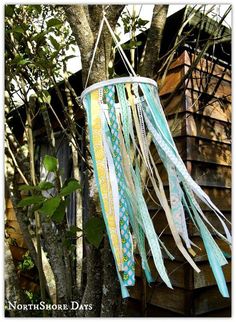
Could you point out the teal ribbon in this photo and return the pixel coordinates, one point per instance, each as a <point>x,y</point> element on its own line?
<point>129,272</point>
<point>168,153</point>
<point>87,102</point>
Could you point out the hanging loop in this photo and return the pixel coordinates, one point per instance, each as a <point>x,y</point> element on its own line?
<point>94,50</point>
<point>118,45</point>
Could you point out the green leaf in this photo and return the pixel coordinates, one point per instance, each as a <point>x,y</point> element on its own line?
<point>54,42</point>
<point>50,163</point>
<point>9,10</point>
<point>138,43</point>
<point>72,231</point>
<point>69,57</point>
<point>23,62</point>
<point>47,97</point>
<point>50,205</point>
<point>18,29</point>
<point>59,213</point>
<point>94,230</point>
<point>32,200</point>
<point>45,185</point>
<point>71,186</point>
<point>142,22</point>
<point>27,187</point>
<point>54,22</point>
<point>37,8</point>
<point>36,207</point>
<point>17,59</point>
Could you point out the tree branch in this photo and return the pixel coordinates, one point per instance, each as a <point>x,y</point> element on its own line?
<point>85,36</point>
<point>152,49</point>
<point>77,18</point>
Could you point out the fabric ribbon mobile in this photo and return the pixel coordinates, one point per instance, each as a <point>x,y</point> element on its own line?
<point>125,117</point>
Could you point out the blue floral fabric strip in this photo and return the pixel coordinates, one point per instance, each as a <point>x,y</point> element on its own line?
<point>129,271</point>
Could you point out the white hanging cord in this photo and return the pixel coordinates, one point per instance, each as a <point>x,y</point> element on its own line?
<point>123,60</point>
<point>94,50</point>
<point>118,45</point>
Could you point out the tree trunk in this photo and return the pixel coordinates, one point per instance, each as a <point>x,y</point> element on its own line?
<point>84,22</point>
<point>111,294</point>
<point>13,292</point>
<point>148,65</point>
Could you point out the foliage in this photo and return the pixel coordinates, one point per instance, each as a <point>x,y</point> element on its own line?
<point>131,24</point>
<point>36,49</point>
<point>26,263</point>
<point>94,231</point>
<point>54,206</point>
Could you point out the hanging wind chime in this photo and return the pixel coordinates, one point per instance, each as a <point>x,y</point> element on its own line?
<point>121,112</point>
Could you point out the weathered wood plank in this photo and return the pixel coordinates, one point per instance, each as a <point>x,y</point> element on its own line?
<point>188,101</point>
<point>211,175</point>
<point>162,296</point>
<point>200,126</point>
<point>204,127</point>
<point>209,299</point>
<point>160,222</point>
<point>177,124</point>
<point>204,65</point>
<point>203,83</point>
<point>221,197</point>
<point>206,278</point>
<point>172,80</point>
<point>215,222</point>
<point>208,151</point>
<point>199,81</point>
<point>155,311</point>
<point>176,105</point>
<point>201,150</point>
<point>224,313</point>
<point>217,108</point>
<point>207,174</point>
<point>176,271</point>
<point>201,255</point>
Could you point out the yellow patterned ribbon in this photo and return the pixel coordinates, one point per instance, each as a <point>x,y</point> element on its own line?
<point>103,180</point>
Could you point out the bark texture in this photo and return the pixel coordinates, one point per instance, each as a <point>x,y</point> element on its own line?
<point>13,292</point>
<point>148,65</point>
<point>84,22</point>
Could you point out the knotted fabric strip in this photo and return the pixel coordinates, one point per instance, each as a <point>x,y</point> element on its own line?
<point>123,115</point>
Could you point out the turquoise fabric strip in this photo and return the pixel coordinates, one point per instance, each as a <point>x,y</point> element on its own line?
<point>137,229</point>
<point>177,162</point>
<point>169,155</point>
<point>215,255</point>
<point>129,274</point>
<point>124,113</point>
<point>132,208</point>
<point>166,142</point>
<point>87,102</point>
<point>149,230</point>
<point>139,234</point>
<point>211,253</point>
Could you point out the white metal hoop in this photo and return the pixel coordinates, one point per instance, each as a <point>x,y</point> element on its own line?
<point>118,80</point>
